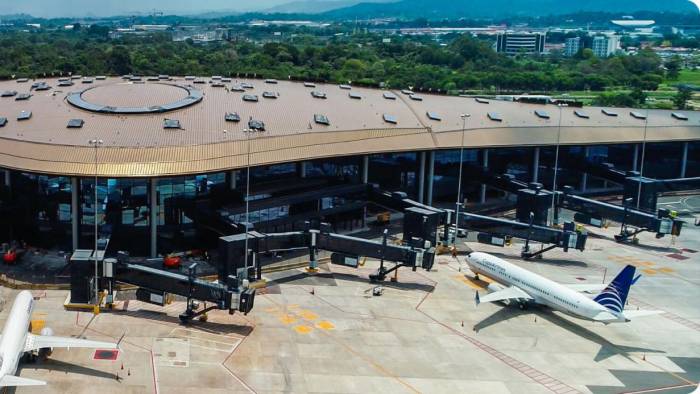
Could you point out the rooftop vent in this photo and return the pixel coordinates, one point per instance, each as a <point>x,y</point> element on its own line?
<point>65,83</point>
<point>495,116</point>
<point>416,97</point>
<point>237,88</point>
<point>581,114</point>
<point>126,76</point>
<point>271,81</point>
<point>100,77</point>
<point>433,116</point>
<point>226,80</point>
<point>135,78</point>
<point>322,119</point>
<point>608,112</point>
<point>355,96</point>
<point>217,84</point>
<point>90,80</point>
<point>407,92</point>
<point>317,94</point>
<point>256,125</point>
<point>8,93</point>
<point>75,123</point>
<point>163,76</point>
<point>232,117</point>
<point>270,95</point>
<point>390,119</point>
<point>309,84</point>
<point>250,97</point>
<point>23,96</point>
<point>22,80</point>
<point>246,85</point>
<point>190,78</point>
<point>481,100</point>
<point>24,115</point>
<point>3,122</point>
<point>541,114</point>
<point>200,81</point>
<point>216,77</point>
<point>41,86</point>
<point>679,116</point>
<point>638,115</point>
<point>389,96</point>
<point>345,87</point>
<point>171,124</point>
<point>78,76</point>
<point>153,78</point>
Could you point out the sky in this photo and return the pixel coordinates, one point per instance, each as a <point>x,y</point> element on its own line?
<point>70,8</point>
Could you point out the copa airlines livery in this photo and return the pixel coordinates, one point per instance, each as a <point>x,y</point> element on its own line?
<point>518,285</point>
<point>17,340</point>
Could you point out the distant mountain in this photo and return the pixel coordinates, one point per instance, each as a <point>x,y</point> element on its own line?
<point>495,9</point>
<point>316,6</point>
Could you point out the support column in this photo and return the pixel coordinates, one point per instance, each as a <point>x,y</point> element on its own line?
<point>8,182</point>
<point>536,165</point>
<point>302,169</point>
<point>584,178</point>
<point>485,164</point>
<point>365,168</point>
<point>635,158</point>
<point>431,173</point>
<point>421,177</point>
<point>153,210</point>
<point>74,209</point>
<point>684,160</point>
<point>233,180</point>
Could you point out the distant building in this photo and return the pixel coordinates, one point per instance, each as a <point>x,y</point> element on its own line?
<point>515,43</point>
<point>604,46</point>
<point>572,46</point>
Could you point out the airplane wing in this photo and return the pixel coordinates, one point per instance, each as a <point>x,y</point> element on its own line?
<point>587,287</point>
<point>505,294</point>
<point>12,381</point>
<point>36,342</point>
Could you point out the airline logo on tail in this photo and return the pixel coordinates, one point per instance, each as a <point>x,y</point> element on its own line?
<point>614,296</point>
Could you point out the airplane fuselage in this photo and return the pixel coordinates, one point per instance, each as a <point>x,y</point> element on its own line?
<point>14,334</point>
<point>542,290</point>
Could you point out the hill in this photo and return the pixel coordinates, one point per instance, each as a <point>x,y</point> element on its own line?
<point>495,9</point>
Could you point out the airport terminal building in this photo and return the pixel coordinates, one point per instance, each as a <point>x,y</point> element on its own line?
<point>163,163</point>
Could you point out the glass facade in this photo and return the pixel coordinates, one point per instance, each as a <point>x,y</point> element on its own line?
<point>445,181</point>
<point>395,171</point>
<point>662,160</point>
<point>692,168</point>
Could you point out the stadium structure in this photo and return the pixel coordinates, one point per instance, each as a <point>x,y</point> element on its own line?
<point>164,162</point>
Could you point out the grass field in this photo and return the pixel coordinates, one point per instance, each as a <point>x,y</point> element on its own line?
<point>688,76</point>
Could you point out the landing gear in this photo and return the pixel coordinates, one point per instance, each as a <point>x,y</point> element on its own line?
<point>522,305</point>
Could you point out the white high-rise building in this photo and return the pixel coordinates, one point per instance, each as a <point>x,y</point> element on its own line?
<point>604,46</point>
<point>572,46</point>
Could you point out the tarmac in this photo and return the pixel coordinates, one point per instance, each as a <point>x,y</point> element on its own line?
<point>327,333</point>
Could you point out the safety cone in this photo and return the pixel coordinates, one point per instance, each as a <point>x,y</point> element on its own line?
<point>462,323</point>
<point>122,367</point>
<point>128,372</point>
<point>312,291</point>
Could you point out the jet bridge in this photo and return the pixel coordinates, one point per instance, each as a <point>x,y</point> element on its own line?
<point>417,253</point>
<point>595,213</point>
<point>155,284</point>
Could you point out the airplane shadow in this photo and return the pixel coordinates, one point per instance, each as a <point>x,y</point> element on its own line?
<point>607,348</point>
<point>208,327</point>
<point>54,365</point>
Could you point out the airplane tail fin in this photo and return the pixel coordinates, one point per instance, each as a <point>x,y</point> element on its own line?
<point>614,296</point>
<point>13,381</point>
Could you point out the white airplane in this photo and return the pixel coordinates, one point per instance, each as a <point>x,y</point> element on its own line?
<point>17,340</point>
<point>524,287</point>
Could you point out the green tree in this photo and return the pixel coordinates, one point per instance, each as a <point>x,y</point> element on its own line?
<point>673,67</point>
<point>684,94</point>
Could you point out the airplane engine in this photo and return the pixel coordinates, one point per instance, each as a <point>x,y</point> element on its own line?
<point>45,352</point>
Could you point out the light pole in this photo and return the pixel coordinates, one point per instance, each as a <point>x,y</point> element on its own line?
<point>96,143</point>
<point>459,179</point>
<point>556,162</point>
<point>641,167</point>
<point>247,195</point>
